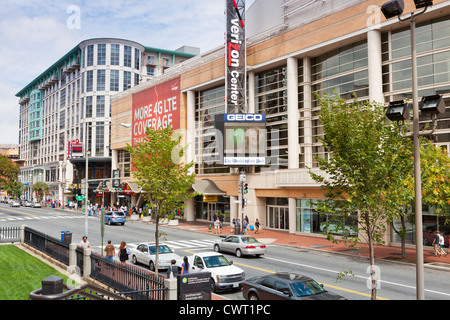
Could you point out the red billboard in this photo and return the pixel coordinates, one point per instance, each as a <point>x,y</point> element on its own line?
<point>156,107</point>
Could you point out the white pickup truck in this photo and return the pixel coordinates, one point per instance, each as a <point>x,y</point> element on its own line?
<point>224,275</point>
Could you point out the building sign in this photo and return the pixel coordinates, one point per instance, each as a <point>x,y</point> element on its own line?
<point>244,140</point>
<point>77,148</point>
<point>196,286</point>
<point>235,56</point>
<point>156,107</point>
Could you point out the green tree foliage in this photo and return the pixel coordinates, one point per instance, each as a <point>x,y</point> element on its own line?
<point>40,188</point>
<point>368,163</point>
<point>8,173</point>
<point>157,168</point>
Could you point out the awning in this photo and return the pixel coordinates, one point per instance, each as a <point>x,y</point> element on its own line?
<point>207,187</point>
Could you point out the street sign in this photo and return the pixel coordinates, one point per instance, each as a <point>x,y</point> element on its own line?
<point>196,286</point>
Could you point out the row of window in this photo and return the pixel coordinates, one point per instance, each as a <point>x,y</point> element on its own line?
<point>114,56</point>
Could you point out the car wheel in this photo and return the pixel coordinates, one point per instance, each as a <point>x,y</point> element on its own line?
<point>238,253</point>
<point>253,296</point>
<point>216,248</point>
<point>151,265</point>
<point>213,286</point>
<point>134,259</point>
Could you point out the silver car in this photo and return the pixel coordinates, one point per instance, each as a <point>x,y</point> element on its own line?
<point>146,253</point>
<point>240,245</point>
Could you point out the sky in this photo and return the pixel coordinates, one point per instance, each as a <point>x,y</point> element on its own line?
<point>34,34</point>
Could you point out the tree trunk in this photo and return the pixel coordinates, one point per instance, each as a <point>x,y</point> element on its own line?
<point>372,282</point>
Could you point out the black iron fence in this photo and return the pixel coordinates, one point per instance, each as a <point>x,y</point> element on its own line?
<point>9,234</point>
<point>124,279</point>
<point>128,280</point>
<point>47,244</point>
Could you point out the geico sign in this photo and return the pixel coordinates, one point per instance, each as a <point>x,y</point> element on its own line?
<point>248,117</point>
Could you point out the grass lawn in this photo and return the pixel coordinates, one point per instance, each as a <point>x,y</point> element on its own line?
<point>21,273</point>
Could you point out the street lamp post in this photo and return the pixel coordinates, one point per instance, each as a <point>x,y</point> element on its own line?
<point>391,9</point>
<point>86,176</point>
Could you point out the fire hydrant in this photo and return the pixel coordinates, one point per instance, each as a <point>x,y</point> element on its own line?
<point>209,228</point>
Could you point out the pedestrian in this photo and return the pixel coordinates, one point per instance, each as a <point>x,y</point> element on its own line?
<point>217,226</point>
<point>221,219</point>
<point>435,244</point>
<point>233,224</point>
<point>84,243</point>
<point>441,245</point>
<point>244,227</point>
<point>185,266</point>
<point>173,269</point>
<point>110,252</point>
<point>257,226</point>
<point>124,252</point>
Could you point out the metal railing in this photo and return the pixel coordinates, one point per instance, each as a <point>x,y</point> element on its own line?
<point>47,244</point>
<point>9,234</point>
<point>128,280</point>
<point>82,292</point>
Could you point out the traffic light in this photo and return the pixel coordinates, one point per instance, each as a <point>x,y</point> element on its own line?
<point>116,178</point>
<point>245,188</point>
<point>104,184</point>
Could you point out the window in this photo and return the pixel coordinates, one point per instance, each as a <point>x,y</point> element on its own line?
<point>126,80</point>
<point>100,106</point>
<point>99,139</point>
<point>90,81</point>
<point>89,107</point>
<point>101,79</point>
<point>114,80</point>
<point>90,56</point>
<point>115,54</point>
<point>101,54</point>
<point>127,56</point>
<point>124,163</point>
<point>137,56</point>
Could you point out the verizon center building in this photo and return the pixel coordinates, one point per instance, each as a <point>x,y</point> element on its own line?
<point>294,50</point>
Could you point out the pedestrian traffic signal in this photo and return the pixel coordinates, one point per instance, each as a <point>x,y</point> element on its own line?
<point>245,188</point>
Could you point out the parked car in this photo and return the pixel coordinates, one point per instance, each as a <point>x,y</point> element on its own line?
<point>28,203</point>
<point>36,204</point>
<point>286,286</point>
<point>146,253</point>
<point>240,245</point>
<point>115,217</point>
<point>224,275</point>
<point>14,203</point>
<point>428,235</point>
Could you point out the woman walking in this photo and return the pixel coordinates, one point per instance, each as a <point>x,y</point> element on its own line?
<point>124,252</point>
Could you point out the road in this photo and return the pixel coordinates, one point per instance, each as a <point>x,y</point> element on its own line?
<point>397,280</point>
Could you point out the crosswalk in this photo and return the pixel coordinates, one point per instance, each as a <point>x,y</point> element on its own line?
<point>5,218</point>
<point>176,244</point>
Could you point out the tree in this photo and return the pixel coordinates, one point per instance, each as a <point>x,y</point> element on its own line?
<point>40,188</point>
<point>157,168</point>
<point>368,162</point>
<point>8,173</point>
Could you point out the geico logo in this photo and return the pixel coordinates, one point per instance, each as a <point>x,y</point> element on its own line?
<point>244,117</point>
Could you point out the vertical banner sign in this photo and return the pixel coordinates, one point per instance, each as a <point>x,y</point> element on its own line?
<point>235,57</point>
<point>156,107</point>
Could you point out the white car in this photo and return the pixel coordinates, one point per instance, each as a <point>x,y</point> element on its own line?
<point>240,245</point>
<point>224,275</point>
<point>146,253</point>
<point>14,203</point>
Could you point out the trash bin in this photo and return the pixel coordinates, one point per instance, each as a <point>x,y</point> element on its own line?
<point>237,229</point>
<point>66,236</point>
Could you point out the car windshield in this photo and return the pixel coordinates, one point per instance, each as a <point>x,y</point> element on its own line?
<point>118,214</point>
<point>307,288</point>
<point>162,249</point>
<point>216,261</point>
<point>249,240</point>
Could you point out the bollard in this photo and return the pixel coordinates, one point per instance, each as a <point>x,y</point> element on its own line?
<point>52,285</point>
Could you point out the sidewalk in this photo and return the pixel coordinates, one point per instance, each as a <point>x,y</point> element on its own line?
<point>319,243</point>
